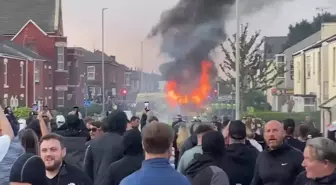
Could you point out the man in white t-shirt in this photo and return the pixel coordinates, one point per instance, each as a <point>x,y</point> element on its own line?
<point>6,134</point>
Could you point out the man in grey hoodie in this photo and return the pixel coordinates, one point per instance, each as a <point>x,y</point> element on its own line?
<point>188,156</point>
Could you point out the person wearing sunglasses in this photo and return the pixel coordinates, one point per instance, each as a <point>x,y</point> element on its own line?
<point>95,129</point>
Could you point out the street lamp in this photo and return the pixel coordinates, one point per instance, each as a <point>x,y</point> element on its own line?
<point>103,60</point>
<point>237,61</point>
<point>142,68</point>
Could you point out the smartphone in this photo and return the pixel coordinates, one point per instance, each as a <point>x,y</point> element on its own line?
<point>147,105</point>
<point>35,108</point>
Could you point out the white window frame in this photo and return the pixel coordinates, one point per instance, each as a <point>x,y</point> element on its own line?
<point>36,75</point>
<point>60,98</point>
<point>308,67</point>
<point>91,72</point>
<point>98,90</point>
<point>60,59</point>
<point>278,63</point>
<point>22,74</point>
<point>5,62</point>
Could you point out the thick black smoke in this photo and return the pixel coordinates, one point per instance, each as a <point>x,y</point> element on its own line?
<point>192,28</point>
<point>189,32</point>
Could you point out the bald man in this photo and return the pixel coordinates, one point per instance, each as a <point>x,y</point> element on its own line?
<point>279,163</point>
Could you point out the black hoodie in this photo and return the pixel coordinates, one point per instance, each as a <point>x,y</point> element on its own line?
<point>107,149</point>
<point>209,165</point>
<point>302,179</point>
<point>131,162</point>
<point>241,158</point>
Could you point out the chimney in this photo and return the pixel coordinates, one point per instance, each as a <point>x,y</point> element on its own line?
<point>113,58</point>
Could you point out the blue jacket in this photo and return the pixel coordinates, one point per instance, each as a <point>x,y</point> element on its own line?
<point>156,172</point>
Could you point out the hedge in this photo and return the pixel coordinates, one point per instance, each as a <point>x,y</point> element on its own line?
<point>22,112</point>
<point>91,110</point>
<point>297,116</point>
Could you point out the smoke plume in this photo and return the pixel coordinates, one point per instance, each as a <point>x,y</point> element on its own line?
<point>192,28</point>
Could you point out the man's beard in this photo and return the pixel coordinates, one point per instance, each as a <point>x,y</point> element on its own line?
<point>55,166</point>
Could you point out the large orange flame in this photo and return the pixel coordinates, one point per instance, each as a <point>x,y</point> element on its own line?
<point>198,95</point>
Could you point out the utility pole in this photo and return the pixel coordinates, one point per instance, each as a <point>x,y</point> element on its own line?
<point>103,60</point>
<point>142,68</point>
<point>237,61</point>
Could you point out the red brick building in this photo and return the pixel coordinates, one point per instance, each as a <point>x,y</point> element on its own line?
<point>17,75</point>
<point>60,76</point>
<point>39,26</point>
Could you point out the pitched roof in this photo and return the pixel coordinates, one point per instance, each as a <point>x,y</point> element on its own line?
<point>15,13</point>
<point>302,44</point>
<point>89,56</point>
<point>274,45</point>
<point>10,48</point>
<point>317,44</point>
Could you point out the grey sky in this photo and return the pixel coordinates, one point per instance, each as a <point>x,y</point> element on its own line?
<point>128,22</point>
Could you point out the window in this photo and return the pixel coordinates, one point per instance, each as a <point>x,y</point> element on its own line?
<point>308,67</point>
<point>98,90</point>
<point>5,72</point>
<point>298,69</point>
<point>280,65</point>
<point>91,72</point>
<point>326,90</point>
<point>314,63</point>
<point>127,79</point>
<point>5,102</point>
<point>36,75</point>
<point>60,58</point>
<point>22,74</point>
<point>319,67</point>
<point>334,65</point>
<point>309,101</point>
<point>60,98</point>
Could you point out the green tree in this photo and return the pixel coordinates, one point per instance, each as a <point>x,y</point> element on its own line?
<point>256,74</point>
<point>304,29</point>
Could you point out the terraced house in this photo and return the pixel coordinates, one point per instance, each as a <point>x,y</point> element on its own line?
<point>38,26</point>
<point>315,74</point>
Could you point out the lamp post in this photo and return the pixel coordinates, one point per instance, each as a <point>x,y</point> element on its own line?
<point>142,66</point>
<point>237,61</point>
<point>103,60</point>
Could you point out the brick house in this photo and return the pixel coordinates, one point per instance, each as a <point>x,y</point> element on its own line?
<point>38,25</point>
<point>90,69</point>
<point>17,75</point>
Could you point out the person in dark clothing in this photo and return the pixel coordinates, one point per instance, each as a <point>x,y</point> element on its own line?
<point>217,123</point>
<point>58,172</point>
<point>134,122</point>
<point>143,120</point>
<point>280,163</point>
<point>107,149</point>
<point>241,155</point>
<point>131,162</point>
<point>207,168</point>
<point>75,135</point>
<point>319,162</point>
<point>289,126</point>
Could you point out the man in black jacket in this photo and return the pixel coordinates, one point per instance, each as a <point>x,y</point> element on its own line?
<point>280,163</point>
<point>289,126</point>
<point>131,162</point>
<point>104,151</point>
<point>241,156</point>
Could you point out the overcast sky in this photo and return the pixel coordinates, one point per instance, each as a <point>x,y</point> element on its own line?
<point>128,22</point>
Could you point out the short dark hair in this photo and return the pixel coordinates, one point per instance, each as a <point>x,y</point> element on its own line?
<point>157,138</point>
<point>97,124</point>
<point>88,119</point>
<point>133,118</point>
<point>153,118</point>
<point>289,126</point>
<point>203,128</point>
<point>51,136</point>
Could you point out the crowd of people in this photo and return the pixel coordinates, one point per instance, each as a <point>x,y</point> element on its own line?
<point>144,151</point>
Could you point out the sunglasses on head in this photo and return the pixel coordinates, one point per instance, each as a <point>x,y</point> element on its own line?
<point>93,129</point>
